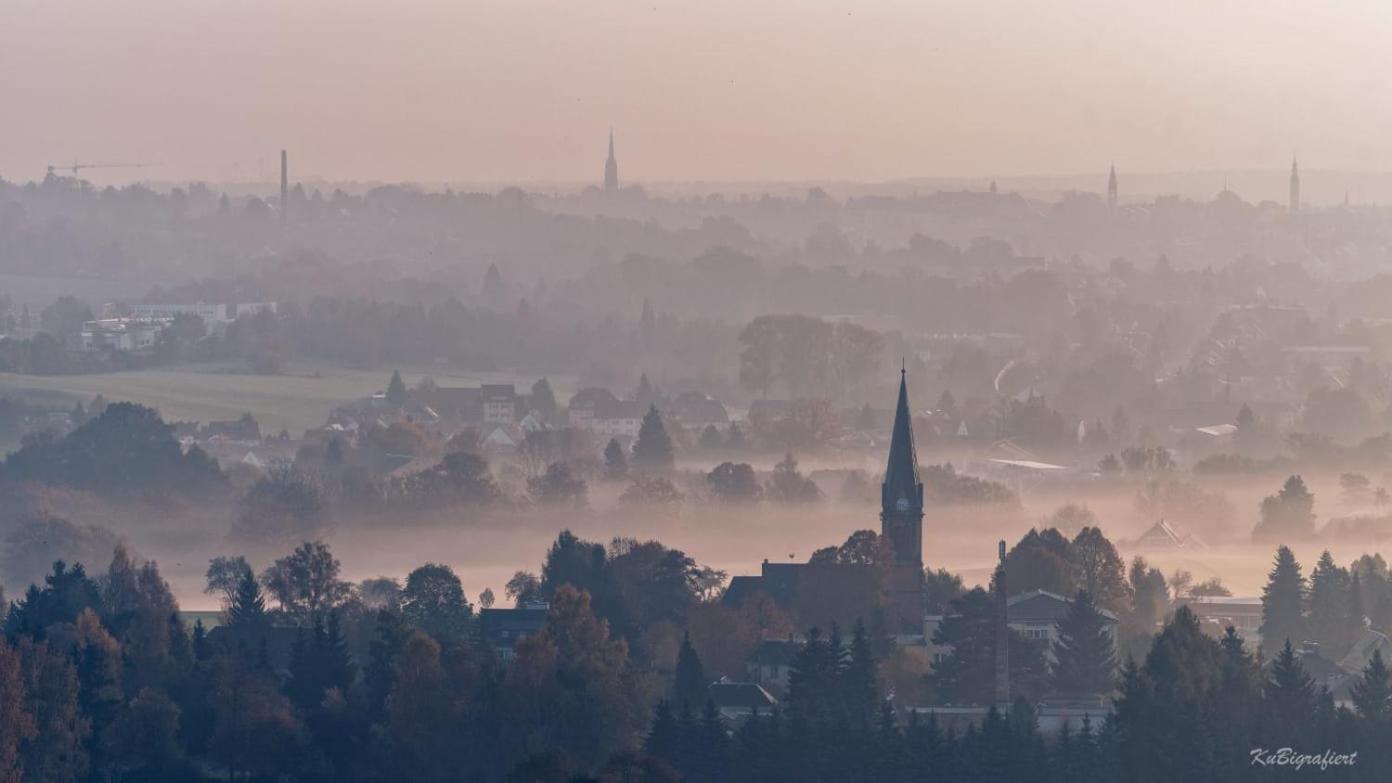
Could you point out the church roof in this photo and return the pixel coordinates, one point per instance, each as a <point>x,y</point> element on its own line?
<point>901,474</point>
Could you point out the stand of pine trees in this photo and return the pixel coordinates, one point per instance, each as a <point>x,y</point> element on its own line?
<point>1193,710</point>
<point>100,682</point>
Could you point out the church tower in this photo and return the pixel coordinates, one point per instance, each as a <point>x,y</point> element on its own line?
<point>901,521</point>
<point>1112,190</point>
<point>611,168</point>
<point>1294,188</point>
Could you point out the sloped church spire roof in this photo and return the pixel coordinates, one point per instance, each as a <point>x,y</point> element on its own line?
<point>901,474</point>
<point>611,166</point>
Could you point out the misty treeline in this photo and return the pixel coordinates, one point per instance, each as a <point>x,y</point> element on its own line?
<point>472,279</point>
<point>125,453</point>
<point>305,676</point>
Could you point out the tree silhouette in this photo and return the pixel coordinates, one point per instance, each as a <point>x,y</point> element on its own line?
<point>653,450</point>
<point>1283,603</point>
<point>1084,651</point>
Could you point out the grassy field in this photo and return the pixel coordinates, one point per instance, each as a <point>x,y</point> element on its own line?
<point>299,398</point>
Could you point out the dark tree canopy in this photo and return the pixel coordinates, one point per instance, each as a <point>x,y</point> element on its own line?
<point>433,600</point>
<point>653,450</point>
<point>128,449</point>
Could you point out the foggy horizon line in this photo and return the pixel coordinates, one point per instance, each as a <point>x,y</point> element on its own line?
<point>1149,181</point>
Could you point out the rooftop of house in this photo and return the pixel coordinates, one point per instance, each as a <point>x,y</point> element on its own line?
<point>502,627</point>
<point>590,397</point>
<point>618,409</point>
<point>498,392</point>
<point>776,652</point>
<point>740,695</point>
<point>1044,606</point>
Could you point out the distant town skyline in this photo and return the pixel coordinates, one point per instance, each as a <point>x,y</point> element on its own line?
<point>726,92</point>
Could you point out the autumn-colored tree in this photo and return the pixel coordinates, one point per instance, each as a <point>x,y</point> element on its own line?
<point>570,686</point>
<point>58,750</point>
<point>16,723</point>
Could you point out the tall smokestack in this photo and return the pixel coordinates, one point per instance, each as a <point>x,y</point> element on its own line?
<point>284,185</point>
<point>1002,637</point>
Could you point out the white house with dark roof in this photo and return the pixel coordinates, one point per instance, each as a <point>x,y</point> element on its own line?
<point>499,403</point>
<point>1038,613</point>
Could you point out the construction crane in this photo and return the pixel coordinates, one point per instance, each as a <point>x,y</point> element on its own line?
<point>76,167</point>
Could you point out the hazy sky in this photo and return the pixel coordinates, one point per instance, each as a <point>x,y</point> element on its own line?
<point>696,90</point>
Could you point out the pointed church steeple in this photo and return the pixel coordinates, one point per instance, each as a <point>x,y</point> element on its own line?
<point>611,167</point>
<point>901,496</point>
<point>1112,189</point>
<point>901,520</point>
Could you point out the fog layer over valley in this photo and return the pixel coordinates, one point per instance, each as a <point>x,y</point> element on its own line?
<point>965,478</point>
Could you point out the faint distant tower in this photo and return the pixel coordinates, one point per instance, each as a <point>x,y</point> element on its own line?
<point>1295,187</point>
<point>1002,673</point>
<point>284,185</point>
<point>1112,190</point>
<point>611,168</point>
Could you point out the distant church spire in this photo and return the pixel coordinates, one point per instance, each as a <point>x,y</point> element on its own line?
<point>901,519</point>
<point>902,494</point>
<point>1112,189</point>
<point>1294,187</point>
<point>611,167</point>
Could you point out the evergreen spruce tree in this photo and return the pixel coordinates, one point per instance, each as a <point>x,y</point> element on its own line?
<point>1283,604</point>
<point>543,398</point>
<point>1328,620</point>
<point>301,687</point>
<point>1063,757</point>
<point>1087,764</point>
<point>689,685</point>
<point>1084,654</point>
<point>1163,705</point>
<point>246,614</point>
<point>180,651</point>
<point>334,656</point>
<point>1372,696</point>
<point>615,463</point>
<point>1246,435</point>
<point>384,651</point>
<point>645,394</point>
<point>653,450</point>
<point>888,757</point>
<point>811,680</point>
<point>201,650</point>
<point>396,389</point>
<point>664,737</point>
<point>712,759</point>
<point>688,741</point>
<point>1236,707</point>
<point>1356,615</point>
<point>1290,696</point>
<point>858,680</point>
